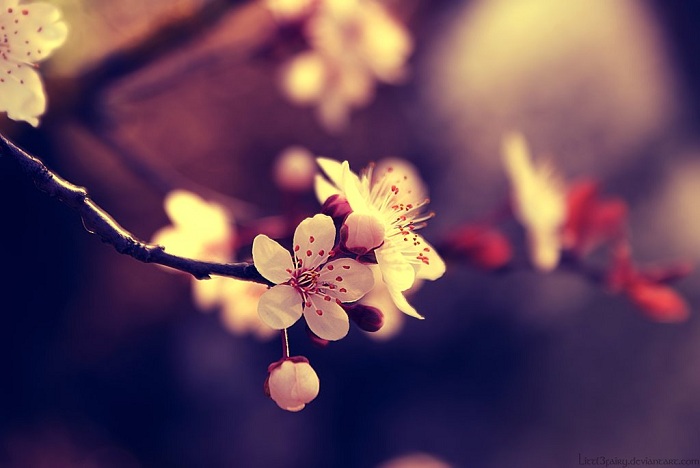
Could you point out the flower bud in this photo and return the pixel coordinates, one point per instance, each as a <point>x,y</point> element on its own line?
<point>361,233</point>
<point>337,207</point>
<point>292,383</point>
<point>368,318</point>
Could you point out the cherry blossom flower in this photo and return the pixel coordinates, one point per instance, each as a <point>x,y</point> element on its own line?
<point>354,43</point>
<point>294,169</point>
<point>538,202</point>
<point>292,383</point>
<point>205,231</point>
<point>30,33</point>
<point>391,197</point>
<point>309,284</point>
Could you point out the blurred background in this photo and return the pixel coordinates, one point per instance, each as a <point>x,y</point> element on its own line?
<point>106,362</point>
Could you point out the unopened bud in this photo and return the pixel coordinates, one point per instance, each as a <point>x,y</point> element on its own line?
<point>659,302</point>
<point>361,233</point>
<point>292,383</point>
<point>337,207</point>
<point>368,318</point>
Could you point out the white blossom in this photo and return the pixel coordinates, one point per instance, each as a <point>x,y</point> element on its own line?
<point>538,199</point>
<point>393,196</point>
<point>309,284</point>
<point>29,33</point>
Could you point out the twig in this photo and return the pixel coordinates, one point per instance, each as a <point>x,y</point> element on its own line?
<point>97,221</point>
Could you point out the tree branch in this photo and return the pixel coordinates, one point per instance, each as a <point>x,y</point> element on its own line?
<point>97,221</point>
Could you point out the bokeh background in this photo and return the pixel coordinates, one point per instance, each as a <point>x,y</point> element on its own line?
<point>105,362</point>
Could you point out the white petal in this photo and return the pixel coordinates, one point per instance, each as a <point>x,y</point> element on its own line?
<point>430,265</point>
<point>402,304</point>
<point>545,249</point>
<point>314,239</point>
<point>271,259</point>
<point>280,306</point>
<point>324,189</point>
<point>326,318</point>
<point>332,169</point>
<point>349,278</point>
<point>21,92</point>
<point>397,271</point>
<point>39,31</point>
<point>364,232</point>
<point>353,190</point>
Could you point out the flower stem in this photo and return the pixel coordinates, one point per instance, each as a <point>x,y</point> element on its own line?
<point>285,343</point>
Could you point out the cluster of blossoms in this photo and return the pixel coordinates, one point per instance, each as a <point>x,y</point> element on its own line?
<point>29,33</point>
<point>367,229</point>
<point>353,44</point>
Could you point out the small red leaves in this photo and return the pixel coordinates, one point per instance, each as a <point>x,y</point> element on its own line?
<point>483,246</point>
<point>592,220</point>
<point>658,301</point>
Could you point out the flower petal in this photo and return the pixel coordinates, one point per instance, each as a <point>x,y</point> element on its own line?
<point>326,318</point>
<point>403,305</point>
<point>271,259</point>
<point>21,92</point>
<point>324,189</point>
<point>293,384</point>
<point>314,239</point>
<point>346,279</point>
<point>430,265</point>
<point>397,271</point>
<point>332,169</point>
<point>352,188</point>
<point>39,31</point>
<point>280,307</point>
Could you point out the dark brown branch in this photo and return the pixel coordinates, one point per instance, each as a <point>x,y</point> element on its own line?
<point>97,221</point>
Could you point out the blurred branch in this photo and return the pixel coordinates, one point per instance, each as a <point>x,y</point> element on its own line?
<point>97,221</point>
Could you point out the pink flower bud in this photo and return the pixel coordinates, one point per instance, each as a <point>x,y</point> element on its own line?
<point>337,207</point>
<point>292,383</point>
<point>295,169</point>
<point>361,233</point>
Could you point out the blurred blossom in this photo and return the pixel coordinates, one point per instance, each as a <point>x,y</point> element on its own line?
<point>295,169</point>
<point>393,196</point>
<point>292,383</point>
<point>310,284</point>
<point>565,73</point>
<point>353,44</point>
<point>415,460</point>
<point>539,202</point>
<point>290,10</point>
<point>205,231</point>
<point>30,32</point>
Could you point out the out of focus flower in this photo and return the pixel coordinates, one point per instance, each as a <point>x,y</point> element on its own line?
<point>309,284</point>
<point>295,169</point>
<point>205,231</point>
<point>647,289</point>
<point>393,197</point>
<point>354,43</point>
<point>290,10</point>
<point>538,200</point>
<point>292,383</point>
<point>30,33</point>
<point>590,219</point>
